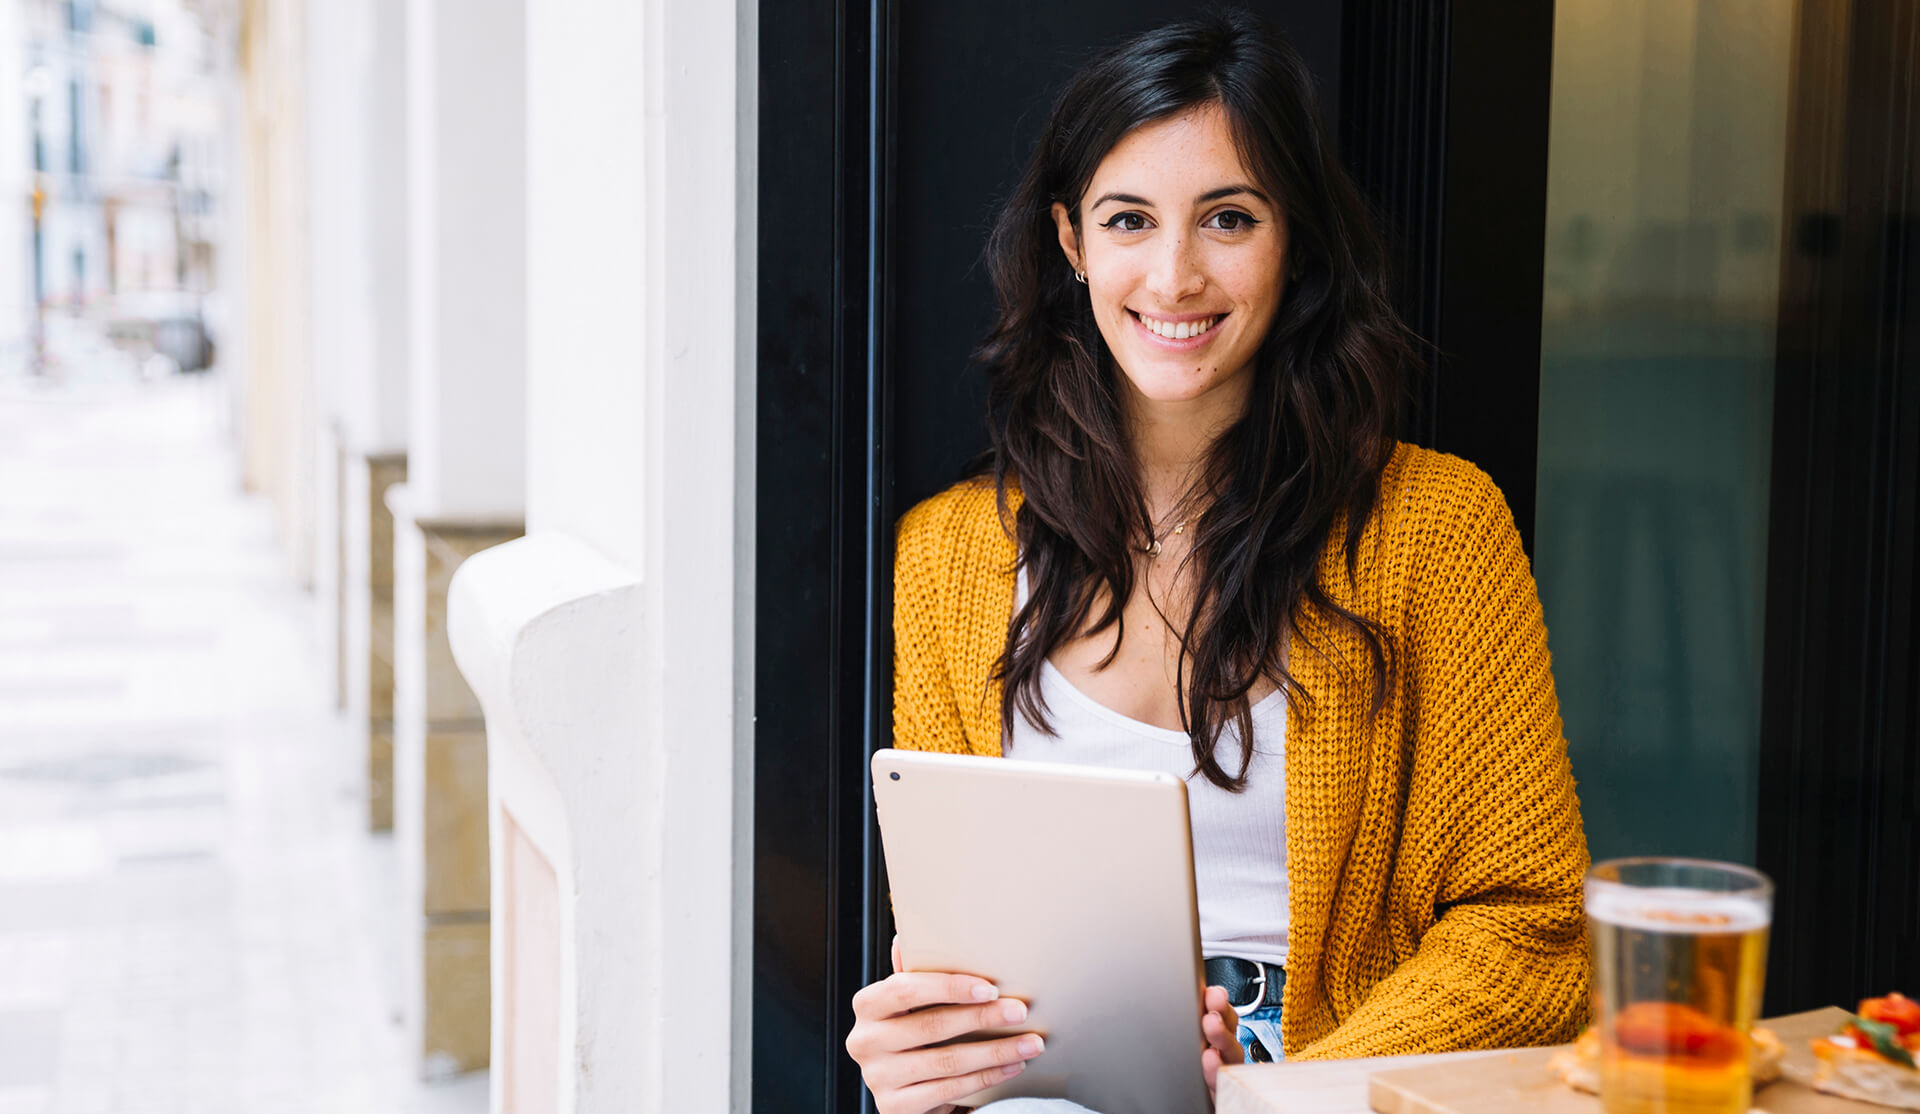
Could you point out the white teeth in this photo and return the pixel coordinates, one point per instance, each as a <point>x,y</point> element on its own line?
<point>1178,330</point>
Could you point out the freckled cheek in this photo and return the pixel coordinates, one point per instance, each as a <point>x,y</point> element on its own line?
<point>1252,288</point>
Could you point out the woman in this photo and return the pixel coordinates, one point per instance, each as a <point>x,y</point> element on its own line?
<point>1201,548</point>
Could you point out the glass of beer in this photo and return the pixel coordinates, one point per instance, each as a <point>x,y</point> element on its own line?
<point>1679,957</point>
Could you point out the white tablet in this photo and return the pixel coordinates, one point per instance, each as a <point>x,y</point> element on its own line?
<point>1071,889</point>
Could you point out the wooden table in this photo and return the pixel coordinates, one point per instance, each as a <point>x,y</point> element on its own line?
<point>1319,1087</point>
<point>1516,1080</point>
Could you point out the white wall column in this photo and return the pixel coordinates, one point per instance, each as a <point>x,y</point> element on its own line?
<point>279,417</point>
<point>339,48</point>
<point>612,647</point>
<point>465,489</point>
<point>357,49</point>
<point>467,214</point>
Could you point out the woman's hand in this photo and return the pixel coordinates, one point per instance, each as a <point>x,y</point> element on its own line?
<point>897,1018</point>
<point>1218,1027</point>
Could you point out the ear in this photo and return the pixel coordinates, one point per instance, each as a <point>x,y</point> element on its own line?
<point>1069,235</point>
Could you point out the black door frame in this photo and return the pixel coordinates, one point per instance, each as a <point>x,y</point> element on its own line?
<point>1444,122</point>
<point>823,542</point>
<point>1840,722</point>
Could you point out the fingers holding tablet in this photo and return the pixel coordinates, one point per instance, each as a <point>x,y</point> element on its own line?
<point>1219,1028</point>
<point>943,1023</point>
<point>906,991</point>
<point>900,1022</point>
<point>954,1071</point>
<point>1219,1006</point>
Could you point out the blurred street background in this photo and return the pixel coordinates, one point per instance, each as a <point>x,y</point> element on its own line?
<point>186,916</point>
<point>193,915</point>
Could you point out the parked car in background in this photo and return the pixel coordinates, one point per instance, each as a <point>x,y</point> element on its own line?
<point>164,323</point>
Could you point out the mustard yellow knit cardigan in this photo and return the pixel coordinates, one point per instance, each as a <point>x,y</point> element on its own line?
<point>1435,850</point>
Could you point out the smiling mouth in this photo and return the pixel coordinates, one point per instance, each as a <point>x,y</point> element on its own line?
<point>1177,330</point>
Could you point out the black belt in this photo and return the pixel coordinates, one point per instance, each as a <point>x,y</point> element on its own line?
<point>1250,983</point>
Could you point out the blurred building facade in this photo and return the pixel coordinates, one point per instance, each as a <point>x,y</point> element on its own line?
<point>125,160</point>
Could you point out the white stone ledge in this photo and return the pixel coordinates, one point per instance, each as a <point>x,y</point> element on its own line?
<point>547,628</point>
<point>549,635</point>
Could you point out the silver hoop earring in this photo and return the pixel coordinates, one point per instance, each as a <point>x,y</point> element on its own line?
<point>1080,277</point>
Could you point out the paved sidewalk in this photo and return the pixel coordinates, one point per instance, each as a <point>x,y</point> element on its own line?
<point>192,917</point>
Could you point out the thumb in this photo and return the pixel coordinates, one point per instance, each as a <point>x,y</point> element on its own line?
<point>896,955</point>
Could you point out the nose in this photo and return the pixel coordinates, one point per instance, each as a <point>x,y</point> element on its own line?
<point>1176,271</point>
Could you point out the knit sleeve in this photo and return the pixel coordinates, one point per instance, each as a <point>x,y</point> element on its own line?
<point>925,714</point>
<point>1486,894</point>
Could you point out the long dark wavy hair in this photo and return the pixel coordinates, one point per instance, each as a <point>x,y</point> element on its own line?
<point>1305,457</point>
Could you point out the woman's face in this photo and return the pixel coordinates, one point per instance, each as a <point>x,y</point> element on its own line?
<point>1185,258</point>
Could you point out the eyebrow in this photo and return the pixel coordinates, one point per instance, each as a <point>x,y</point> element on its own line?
<point>1210,195</point>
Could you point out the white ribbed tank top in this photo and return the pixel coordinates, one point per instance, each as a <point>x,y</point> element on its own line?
<point>1239,839</point>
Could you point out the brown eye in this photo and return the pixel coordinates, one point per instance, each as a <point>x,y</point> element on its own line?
<point>1232,220</point>
<point>1126,222</point>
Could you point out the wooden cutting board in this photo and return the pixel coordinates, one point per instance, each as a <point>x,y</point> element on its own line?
<point>1520,1082</point>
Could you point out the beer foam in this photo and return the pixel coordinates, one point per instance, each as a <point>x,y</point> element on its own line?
<point>1676,910</point>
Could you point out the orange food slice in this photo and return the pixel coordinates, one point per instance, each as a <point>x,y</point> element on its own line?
<point>1674,1030</point>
